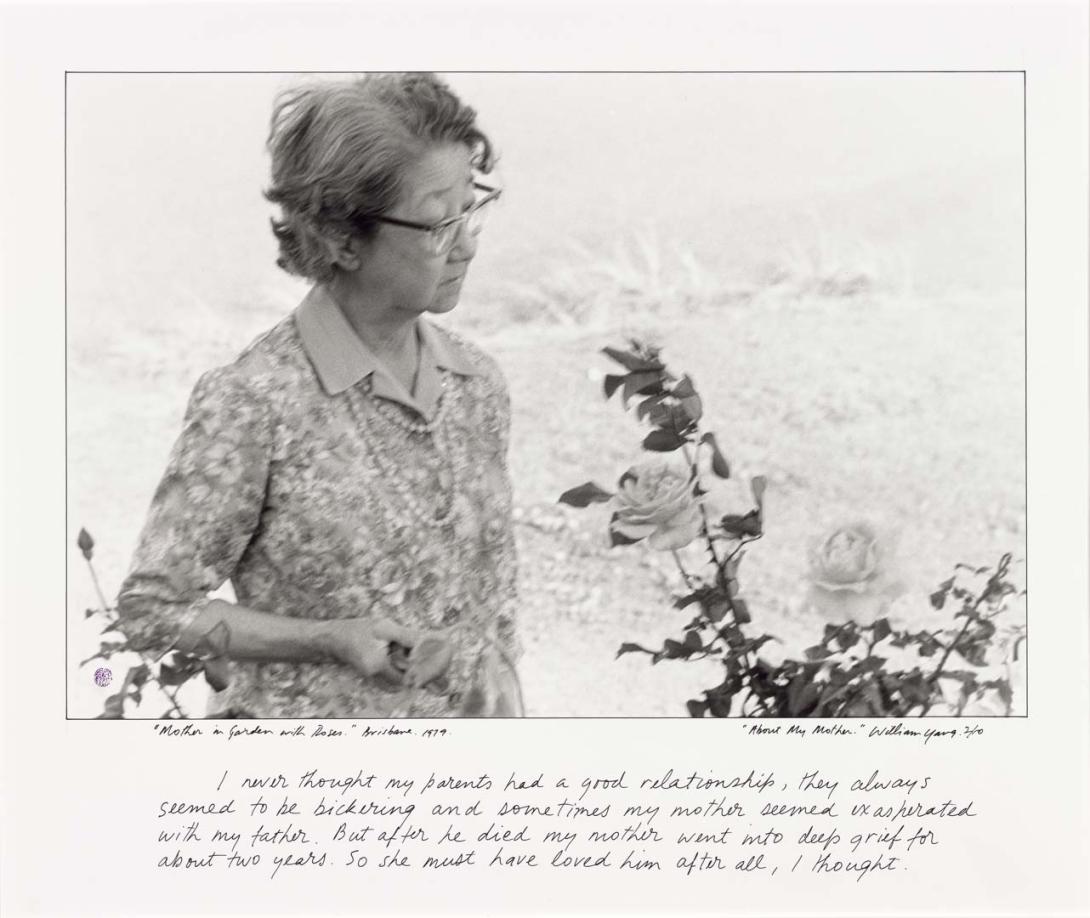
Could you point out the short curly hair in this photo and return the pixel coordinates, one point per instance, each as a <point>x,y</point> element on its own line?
<point>340,150</point>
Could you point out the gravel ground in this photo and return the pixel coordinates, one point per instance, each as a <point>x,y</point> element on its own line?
<point>909,413</point>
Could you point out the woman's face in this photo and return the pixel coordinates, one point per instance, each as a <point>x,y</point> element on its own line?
<point>396,263</point>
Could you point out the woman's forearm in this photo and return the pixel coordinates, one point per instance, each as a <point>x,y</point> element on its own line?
<point>253,635</point>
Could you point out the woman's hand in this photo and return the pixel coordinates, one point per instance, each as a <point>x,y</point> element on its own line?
<point>429,659</point>
<point>365,645</point>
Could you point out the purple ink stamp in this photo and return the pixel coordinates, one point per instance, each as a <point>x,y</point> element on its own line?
<point>103,676</point>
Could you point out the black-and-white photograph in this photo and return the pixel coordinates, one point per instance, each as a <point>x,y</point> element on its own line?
<point>546,394</point>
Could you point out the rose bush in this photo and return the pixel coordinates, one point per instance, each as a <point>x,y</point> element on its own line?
<point>851,671</point>
<point>655,501</point>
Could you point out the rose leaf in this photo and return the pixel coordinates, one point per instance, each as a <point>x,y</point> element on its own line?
<point>847,638</point>
<point>719,705</point>
<point>619,538</point>
<point>645,383</point>
<point>138,675</point>
<point>671,418</point>
<point>114,708</point>
<point>692,642</point>
<point>683,602</point>
<point>663,441</point>
<point>686,394</point>
<point>880,630</point>
<point>741,612</point>
<point>719,462</point>
<point>585,495</point>
<point>737,526</point>
<point>104,650</point>
<point>631,362</point>
<point>693,408</point>
<point>696,708</point>
<point>672,649</point>
<point>716,609</point>
<point>648,406</point>
<point>612,383</point>
<point>170,675</point>
<point>684,387</point>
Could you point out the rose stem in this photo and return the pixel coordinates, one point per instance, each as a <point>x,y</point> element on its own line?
<point>705,528</point>
<point>681,567</point>
<point>705,531</point>
<point>933,678</point>
<point>173,699</point>
<point>98,589</point>
<point>171,696</point>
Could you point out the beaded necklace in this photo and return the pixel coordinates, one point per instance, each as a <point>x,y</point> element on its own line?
<point>455,510</point>
<point>398,418</point>
<point>395,497</point>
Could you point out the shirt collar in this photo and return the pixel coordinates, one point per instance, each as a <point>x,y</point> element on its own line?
<point>341,358</point>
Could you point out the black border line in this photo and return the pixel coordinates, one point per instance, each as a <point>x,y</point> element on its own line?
<point>546,717</point>
<point>447,70</point>
<point>67,697</point>
<point>1025,363</point>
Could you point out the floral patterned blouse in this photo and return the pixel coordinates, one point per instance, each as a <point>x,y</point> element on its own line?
<point>308,477</point>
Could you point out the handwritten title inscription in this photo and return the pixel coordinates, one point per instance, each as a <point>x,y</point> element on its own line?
<point>681,821</point>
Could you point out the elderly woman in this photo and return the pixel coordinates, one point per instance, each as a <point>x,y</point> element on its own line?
<point>347,472</point>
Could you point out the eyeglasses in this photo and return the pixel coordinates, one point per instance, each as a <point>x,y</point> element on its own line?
<point>442,235</point>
